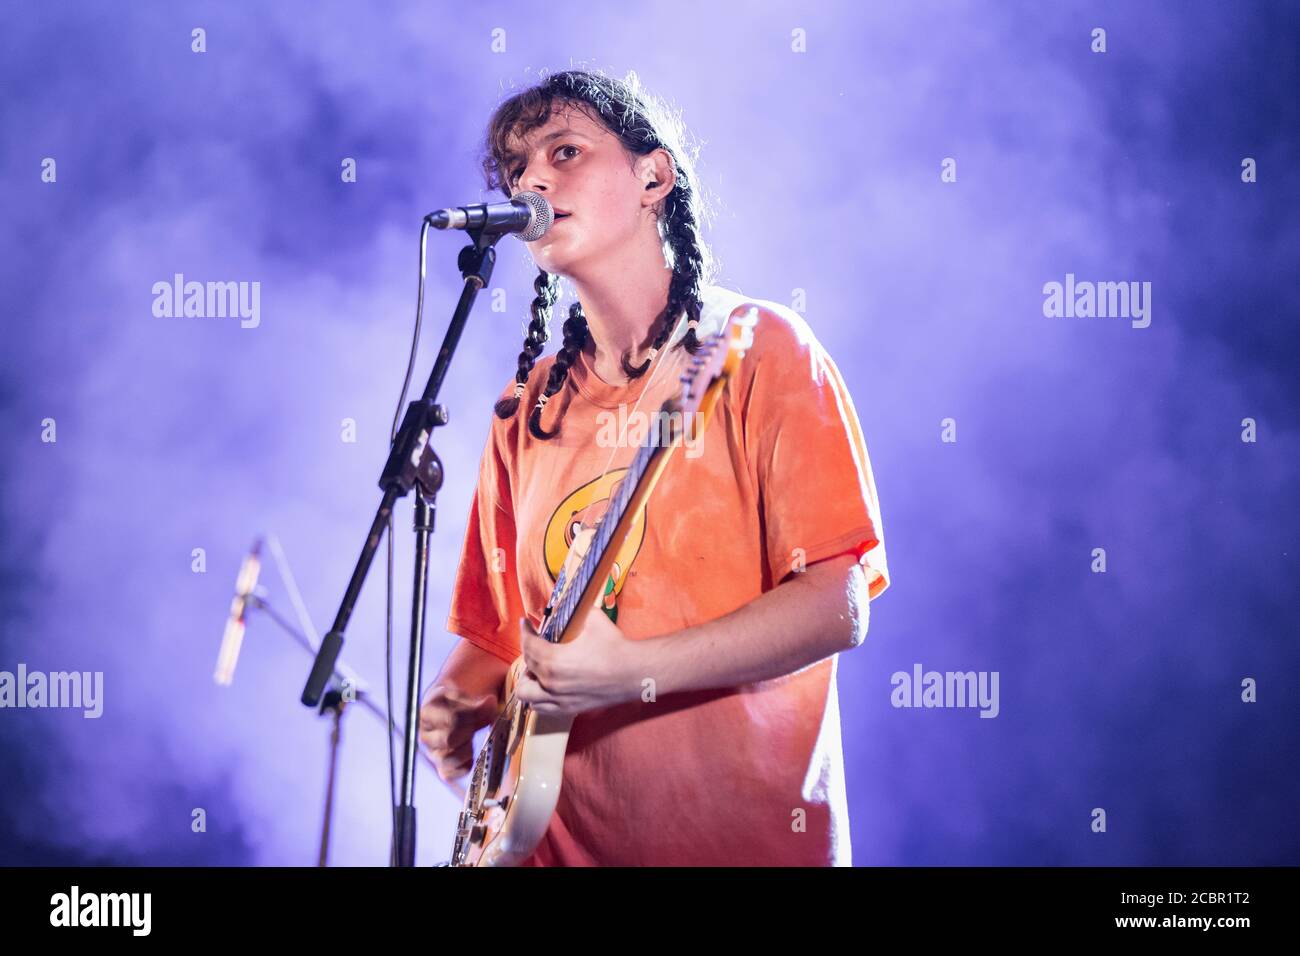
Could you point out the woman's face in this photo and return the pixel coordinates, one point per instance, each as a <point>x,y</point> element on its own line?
<point>582,169</point>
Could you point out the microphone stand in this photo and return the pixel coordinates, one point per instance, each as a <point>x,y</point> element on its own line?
<point>411,463</point>
<point>335,700</point>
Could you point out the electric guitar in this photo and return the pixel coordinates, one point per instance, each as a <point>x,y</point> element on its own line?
<point>515,784</point>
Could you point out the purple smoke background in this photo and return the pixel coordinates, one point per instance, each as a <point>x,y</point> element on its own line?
<point>1119,690</point>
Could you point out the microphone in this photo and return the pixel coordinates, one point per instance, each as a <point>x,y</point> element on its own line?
<point>234,635</point>
<point>528,215</point>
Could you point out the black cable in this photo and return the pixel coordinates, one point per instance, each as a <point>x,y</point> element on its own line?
<point>388,589</point>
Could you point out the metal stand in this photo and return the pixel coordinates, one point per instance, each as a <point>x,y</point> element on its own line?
<point>344,688</point>
<point>411,462</point>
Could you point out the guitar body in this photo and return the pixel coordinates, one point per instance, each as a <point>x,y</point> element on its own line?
<point>517,774</point>
<point>519,810</point>
<point>515,784</point>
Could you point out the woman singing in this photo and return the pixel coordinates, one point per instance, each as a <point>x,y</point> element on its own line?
<point>752,566</point>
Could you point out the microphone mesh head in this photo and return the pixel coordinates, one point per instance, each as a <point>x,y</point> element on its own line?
<point>543,215</point>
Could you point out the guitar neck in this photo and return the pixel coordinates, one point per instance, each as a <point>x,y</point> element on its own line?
<point>600,542</point>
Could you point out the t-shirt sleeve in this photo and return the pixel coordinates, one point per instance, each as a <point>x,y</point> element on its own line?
<point>816,489</point>
<point>485,601</point>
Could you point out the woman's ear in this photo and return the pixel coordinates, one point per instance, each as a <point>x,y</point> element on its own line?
<point>657,173</point>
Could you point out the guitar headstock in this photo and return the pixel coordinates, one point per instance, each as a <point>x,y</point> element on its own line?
<point>716,361</point>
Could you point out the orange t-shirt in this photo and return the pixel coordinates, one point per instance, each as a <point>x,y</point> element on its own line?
<point>748,775</point>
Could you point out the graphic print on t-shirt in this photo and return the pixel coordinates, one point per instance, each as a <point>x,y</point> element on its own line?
<point>583,508</point>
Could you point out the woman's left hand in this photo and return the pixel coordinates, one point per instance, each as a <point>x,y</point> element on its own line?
<point>600,667</point>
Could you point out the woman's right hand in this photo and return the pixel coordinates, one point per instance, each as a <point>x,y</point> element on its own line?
<point>448,719</point>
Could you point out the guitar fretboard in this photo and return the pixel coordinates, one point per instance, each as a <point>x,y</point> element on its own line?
<point>564,611</point>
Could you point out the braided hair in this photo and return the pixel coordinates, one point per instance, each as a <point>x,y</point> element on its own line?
<point>642,124</point>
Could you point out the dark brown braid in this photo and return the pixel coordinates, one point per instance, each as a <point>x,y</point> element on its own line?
<point>642,124</point>
<point>685,286</point>
<point>547,287</point>
<point>575,336</point>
